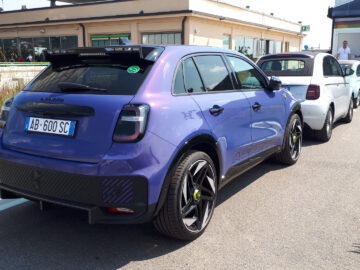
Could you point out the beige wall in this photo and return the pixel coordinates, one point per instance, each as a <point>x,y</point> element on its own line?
<point>209,32</point>
<point>15,76</point>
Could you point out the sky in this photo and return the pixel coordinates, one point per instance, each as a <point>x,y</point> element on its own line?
<point>310,12</point>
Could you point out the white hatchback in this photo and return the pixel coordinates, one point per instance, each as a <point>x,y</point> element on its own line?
<point>317,80</point>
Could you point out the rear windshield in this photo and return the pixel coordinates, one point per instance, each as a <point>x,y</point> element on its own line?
<point>112,77</point>
<point>287,67</point>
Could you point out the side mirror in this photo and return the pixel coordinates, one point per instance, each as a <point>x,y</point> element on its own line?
<point>274,84</point>
<point>348,71</point>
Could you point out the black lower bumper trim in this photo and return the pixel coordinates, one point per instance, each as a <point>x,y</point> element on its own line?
<point>95,214</point>
<point>94,194</point>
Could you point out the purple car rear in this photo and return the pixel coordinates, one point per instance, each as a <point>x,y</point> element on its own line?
<point>119,133</point>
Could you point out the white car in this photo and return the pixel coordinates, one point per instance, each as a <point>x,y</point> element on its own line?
<point>353,79</point>
<point>318,81</point>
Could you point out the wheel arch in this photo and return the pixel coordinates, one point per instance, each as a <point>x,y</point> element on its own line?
<point>295,110</point>
<point>203,142</point>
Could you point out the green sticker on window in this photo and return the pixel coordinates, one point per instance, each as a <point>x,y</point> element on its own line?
<point>133,69</point>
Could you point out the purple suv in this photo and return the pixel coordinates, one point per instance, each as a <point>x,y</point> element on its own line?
<point>138,133</point>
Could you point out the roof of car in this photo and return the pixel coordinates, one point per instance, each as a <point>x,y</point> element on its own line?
<point>307,54</point>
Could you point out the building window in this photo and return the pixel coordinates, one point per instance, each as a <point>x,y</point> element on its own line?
<point>18,49</point>
<point>68,42</point>
<point>11,52</point>
<point>287,46</point>
<point>226,41</point>
<point>173,38</point>
<point>107,39</point>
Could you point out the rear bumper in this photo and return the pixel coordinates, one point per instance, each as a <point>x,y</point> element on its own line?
<point>314,113</point>
<point>94,194</point>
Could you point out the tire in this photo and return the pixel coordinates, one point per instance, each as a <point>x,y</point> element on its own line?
<point>325,133</point>
<point>349,116</point>
<point>292,142</point>
<point>356,102</point>
<point>191,198</point>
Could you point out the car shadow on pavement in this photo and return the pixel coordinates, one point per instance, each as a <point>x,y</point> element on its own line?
<point>61,238</point>
<point>309,137</point>
<point>357,247</point>
<point>246,179</point>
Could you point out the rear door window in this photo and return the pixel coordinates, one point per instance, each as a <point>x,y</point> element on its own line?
<point>331,67</point>
<point>193,83</point>
<point>115,77</point>
<point>358,71</point>
<point>214,72</point>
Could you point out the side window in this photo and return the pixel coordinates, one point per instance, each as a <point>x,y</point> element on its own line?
<point>358,71</point>
<point>214,72</point>
<point>179,87</point>
<point>249,78</point>
<point>193,83</point>
<point>331,67</point>
<point>337,68</point>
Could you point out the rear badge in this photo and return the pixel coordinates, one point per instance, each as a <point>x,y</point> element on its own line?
<point>133,69</point>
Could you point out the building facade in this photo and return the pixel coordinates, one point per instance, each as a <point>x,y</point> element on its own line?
<point>346,26</point>
<point>190,22</point>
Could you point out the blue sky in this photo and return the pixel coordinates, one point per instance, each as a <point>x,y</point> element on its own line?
<point>310,12</point>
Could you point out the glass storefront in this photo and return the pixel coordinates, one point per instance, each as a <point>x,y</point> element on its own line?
<point>255,48</point>
<point>226,41</point>
<point>18,49</point>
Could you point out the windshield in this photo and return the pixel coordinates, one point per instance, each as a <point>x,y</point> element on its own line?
<point>114,77</point>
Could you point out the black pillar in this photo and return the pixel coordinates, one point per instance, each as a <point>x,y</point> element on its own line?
<point>52,3</point>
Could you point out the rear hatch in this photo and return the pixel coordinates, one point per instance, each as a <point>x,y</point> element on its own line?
<point>77,101</point>
<point>294,70</point>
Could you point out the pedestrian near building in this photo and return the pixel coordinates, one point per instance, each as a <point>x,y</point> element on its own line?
<point>344,53</point>
<point>29,58</point>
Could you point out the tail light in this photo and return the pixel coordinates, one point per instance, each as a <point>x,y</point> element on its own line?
<point>313,92</point>
<point>131,124</point>
<point>121,210</point>
<point>4,114</point>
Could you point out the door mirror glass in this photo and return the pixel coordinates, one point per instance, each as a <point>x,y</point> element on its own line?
<point>274,84</point>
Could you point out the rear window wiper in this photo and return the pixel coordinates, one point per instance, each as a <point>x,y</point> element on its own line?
<point>68,86</point>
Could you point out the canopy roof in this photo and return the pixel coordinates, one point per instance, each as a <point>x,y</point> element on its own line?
<point>351,9</point>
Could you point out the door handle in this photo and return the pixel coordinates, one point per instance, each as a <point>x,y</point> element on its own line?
<point>216,110</point>
<point>256,106</point>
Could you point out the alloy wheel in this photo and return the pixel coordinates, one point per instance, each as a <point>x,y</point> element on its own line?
<point>198,196</point>
<point>295,139</point>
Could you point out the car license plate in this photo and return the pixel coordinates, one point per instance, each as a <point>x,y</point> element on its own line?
<point>50,126</point>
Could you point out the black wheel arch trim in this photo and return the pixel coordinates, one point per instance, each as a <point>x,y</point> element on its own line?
<point>202,139</point>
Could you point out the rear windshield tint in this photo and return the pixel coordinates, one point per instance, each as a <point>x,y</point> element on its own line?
<point>287,67</point>
<point>116,77</point>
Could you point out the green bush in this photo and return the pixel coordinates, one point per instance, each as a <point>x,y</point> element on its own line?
<point>8,91</point>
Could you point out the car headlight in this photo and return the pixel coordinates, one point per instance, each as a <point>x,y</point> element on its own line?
<point>4,114</point>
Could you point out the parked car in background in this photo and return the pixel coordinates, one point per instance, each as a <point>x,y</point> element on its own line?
<point>317,80</point>
<point>137,133</point>
<point>353,79</point>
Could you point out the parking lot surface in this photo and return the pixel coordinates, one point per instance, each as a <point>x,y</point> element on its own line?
<point>305,216</point>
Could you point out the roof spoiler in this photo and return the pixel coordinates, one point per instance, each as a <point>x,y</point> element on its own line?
<point>148,53</point>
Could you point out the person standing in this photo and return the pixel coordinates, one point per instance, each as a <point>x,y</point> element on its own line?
<point>344,53</point>
<point>29,58</point>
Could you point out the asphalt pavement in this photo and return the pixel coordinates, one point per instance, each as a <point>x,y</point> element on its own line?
<point>305,216</point>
